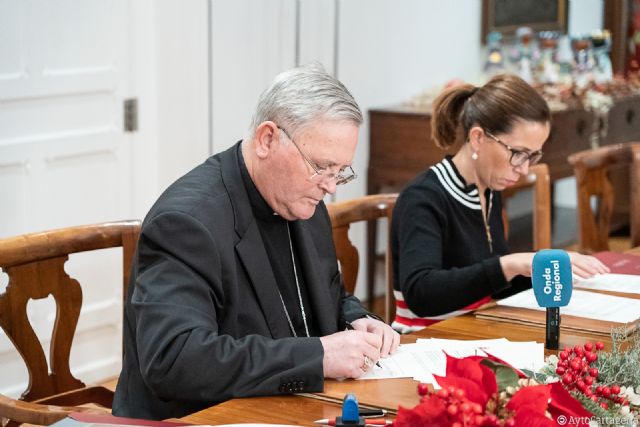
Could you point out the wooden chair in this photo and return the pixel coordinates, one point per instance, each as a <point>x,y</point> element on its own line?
<point>35,266</point>
<point>538,178</point>
<point>592,170</point>
<point>347,212</point>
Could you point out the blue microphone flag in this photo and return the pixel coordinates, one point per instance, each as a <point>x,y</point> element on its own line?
<point>551,278</point>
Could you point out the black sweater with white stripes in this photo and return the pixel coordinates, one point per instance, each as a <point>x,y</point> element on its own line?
<point>442,258</point>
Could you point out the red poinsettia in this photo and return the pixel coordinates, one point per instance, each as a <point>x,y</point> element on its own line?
<point>471,396</point>
<point>477,380</point>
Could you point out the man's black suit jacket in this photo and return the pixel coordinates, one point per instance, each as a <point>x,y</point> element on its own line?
<point>203,319</point>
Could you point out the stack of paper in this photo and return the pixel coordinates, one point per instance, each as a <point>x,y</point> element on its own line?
<point>589,305</point>
<point>623,283</point>
<point>426,357</point>
<point>591,312</point>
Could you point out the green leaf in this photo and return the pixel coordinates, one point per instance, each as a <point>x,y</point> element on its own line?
<point>505,376</point>
<point>528,373</point>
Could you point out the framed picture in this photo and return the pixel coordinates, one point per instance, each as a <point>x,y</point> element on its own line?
<point>507,15</point>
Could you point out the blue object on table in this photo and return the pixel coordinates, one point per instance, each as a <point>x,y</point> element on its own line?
<point>350,413</point>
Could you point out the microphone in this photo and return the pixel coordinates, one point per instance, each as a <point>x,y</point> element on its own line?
<point>552,285</point>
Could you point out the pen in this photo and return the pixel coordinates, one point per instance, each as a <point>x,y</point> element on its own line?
<point>368,421</point>
<point>366,413</point>
<point>350,327</point>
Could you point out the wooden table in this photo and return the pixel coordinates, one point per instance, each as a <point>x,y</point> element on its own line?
<point>634,251</point>
<point>293,410</point>
<point>388,393</point>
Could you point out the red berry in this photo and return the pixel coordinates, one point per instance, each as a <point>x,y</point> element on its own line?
<point>581,385</point>
<point>599,345</point>
<point>510,423</point>
<point>465,408</point>
<point>564,355</point>
<point>576,365</point>
<point>599,389</point>
<point>459,393</point>
<point>578,350</point>
<point>478,420</point>
<point>606,392</point>
<point>615,389</point>
<point>560,370</point>
<point>452,409</point>
<point>591,357</point>
<point>604,405</point>
<point>443,393</point>
<point>588,380</point>
<point>476,408</point>
<point>567,378</point>
<point>594,397</point>
<point>492,419</point>
<point>588,346</point>
<point>593,372</point>
<point>423,389</point>
<point>588,392</point>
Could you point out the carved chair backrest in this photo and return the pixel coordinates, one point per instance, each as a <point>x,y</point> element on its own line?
<point>596,193</point>
<point>35,266</point>
<point>347,212</point>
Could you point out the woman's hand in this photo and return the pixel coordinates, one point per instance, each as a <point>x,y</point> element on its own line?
<point>585,266</point>
<point>582,266</point>
<point>516,264</point>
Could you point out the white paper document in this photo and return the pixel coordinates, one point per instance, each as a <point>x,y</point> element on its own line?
<point>427,357</point>
<point>626,283</point>
<point>584,304</point>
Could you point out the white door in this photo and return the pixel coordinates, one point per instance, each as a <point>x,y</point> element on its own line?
<point>64,157</point>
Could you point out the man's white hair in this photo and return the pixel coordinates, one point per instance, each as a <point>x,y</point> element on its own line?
<point>302,95</point>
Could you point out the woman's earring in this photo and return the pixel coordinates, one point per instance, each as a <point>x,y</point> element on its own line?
<point>474,156</point>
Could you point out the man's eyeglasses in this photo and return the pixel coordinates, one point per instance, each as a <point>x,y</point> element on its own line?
<point>323,174</point>
<point>518,157</point>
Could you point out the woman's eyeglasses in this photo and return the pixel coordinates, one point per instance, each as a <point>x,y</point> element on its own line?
<point>518,157</point>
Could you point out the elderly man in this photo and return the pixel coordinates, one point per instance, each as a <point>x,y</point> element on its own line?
<point>235,290</point>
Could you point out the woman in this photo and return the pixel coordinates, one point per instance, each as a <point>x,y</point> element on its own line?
<point>448,245</point>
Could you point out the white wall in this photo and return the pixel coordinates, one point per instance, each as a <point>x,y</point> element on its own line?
<point>251,42</point>
<point>390,51</point>
<point>585,16</point>
<point>170,78</point>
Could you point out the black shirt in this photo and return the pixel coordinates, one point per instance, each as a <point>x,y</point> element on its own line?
<point>442,258</point>
<point>277,241</point>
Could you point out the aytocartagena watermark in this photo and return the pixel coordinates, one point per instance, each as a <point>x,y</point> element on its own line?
<point>621,420</point>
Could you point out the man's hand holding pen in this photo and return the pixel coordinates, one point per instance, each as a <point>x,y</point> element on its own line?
<point>351,353</point>
<point>390,338</point>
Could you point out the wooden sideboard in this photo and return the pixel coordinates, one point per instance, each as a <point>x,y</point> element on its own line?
<point>400,147</point>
